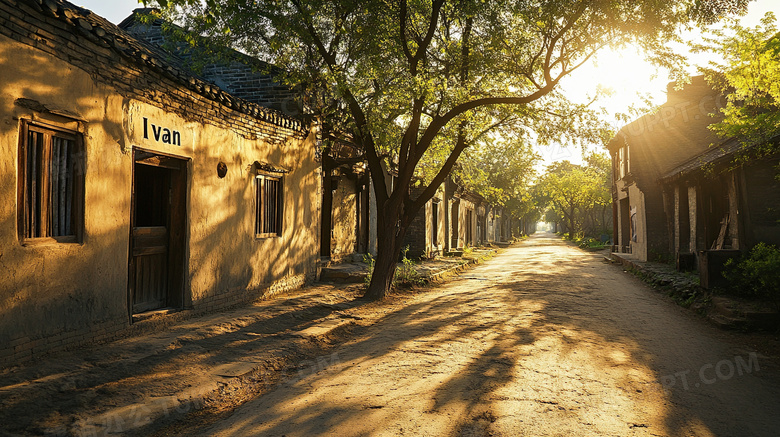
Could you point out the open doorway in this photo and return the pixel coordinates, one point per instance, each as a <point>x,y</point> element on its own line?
<point>158,219</point>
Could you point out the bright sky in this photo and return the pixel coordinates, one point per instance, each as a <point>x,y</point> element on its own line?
<point>625,73</point>
<point>629,76</point>
<point>113,10</point>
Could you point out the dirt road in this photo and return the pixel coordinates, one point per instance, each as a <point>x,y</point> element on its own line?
<point>543,340</point>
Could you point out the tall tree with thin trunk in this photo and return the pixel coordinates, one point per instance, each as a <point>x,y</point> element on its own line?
<point>418,81</point>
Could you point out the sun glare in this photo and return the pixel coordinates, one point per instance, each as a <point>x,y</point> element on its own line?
<point>623,74</point>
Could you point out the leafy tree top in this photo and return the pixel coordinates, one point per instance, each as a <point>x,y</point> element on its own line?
<point>420,81</point>
<point>749,75</point>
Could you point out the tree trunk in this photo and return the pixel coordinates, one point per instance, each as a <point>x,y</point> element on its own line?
<point>572,232</point>
<point>390,239</point>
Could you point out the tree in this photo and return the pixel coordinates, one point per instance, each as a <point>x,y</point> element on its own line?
<point>500,170</point>
<point>574,193</point>
<point>567,188</point>
<point>600,165</point>
<point>415,81</point>
<point>749,75</point>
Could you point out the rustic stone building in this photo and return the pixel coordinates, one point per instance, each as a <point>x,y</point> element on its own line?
<point>645,150</point>
<point>718,209</point>
<point>455,218</point>
<point>133,185</point>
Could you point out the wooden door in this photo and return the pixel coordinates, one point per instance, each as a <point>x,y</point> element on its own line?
<point>156,241</point>
<point>150,267</point>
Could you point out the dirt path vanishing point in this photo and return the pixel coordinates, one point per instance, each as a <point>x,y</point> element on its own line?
<point>544,340</point>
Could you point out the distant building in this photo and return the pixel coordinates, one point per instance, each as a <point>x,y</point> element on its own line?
<point>455,218</point>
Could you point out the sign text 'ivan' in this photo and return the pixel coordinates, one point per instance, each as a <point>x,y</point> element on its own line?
<point>161,134</point>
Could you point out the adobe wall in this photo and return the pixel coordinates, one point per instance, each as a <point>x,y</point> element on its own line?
<point>61,295</point>
<point>343,242</point>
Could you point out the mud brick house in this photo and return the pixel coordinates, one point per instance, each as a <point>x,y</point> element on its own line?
<point>425,237</point>
<point>647,149</point>
<point>345,195</point>
<point>132,185</point>
<point>461,220</point>
<point>717,209</point>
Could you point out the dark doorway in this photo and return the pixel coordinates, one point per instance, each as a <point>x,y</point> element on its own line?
<point>158,220</point>
<point>455,221</point>
<point>625,226</point>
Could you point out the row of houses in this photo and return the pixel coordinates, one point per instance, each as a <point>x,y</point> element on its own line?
<point>134,186</point>
<point>679,193</point>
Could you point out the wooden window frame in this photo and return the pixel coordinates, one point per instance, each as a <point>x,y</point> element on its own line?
<point>28,237</point>
<point>628,159</point>
<point>264,229</point>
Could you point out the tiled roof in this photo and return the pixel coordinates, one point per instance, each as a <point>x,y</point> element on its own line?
<point>105,34</point>
<point>241,75</point>
<point>714,155</point>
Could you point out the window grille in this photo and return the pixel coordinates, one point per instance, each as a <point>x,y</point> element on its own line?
<point>50,184</point>
<point>268,204</point>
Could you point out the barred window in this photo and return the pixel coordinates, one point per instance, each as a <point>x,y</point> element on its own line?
<point>268,206</point>
<point>50,184</point>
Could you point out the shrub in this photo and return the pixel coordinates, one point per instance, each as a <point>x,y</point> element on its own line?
<point>368,259</point>
<point>756,275</point>
<point>406,274</point>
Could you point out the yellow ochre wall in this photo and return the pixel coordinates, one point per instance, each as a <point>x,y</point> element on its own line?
<point>58,295</point>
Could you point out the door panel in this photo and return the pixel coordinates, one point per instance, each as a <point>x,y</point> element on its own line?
<point>150,259</point>
<point>157,236</point>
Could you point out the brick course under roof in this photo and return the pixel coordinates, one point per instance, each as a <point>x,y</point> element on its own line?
<point>84,39</point>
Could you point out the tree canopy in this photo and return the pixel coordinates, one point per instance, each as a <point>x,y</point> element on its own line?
<point>500,170</point>
<point>419,81</point>
<point>575,193</point>
<point>749,75</point>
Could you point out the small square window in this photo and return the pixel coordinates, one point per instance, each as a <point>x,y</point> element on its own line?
<point>268,206</point>
<point>51,184</point>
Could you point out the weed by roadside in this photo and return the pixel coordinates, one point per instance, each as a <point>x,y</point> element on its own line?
<point>407,274</point>
<point>369,260</point>
<point>755,276</point>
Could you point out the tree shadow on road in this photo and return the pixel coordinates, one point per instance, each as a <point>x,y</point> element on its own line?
<point>546,348</point>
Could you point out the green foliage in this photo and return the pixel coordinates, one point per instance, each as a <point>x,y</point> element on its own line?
<point>750,75</point>
<point>572,192</point>
<point>369,260</point>
<point>501,171</point>
<point>590,243</point>
<point>412,84</point>
<point>407,274</point>
<point>756,275</point>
